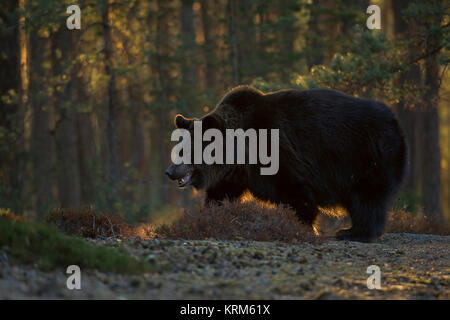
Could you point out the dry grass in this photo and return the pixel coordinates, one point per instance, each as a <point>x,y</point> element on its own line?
<point>89,223</point>
<point>7,214</point>
<point>248,220</point>
<point>244,220</point>
<point>253,220</point>
<point>399,221</point>
<point>404,222</point>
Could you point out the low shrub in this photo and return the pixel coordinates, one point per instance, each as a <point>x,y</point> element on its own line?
<point>249,220</point>
<point>89,223</point>
<point>400,221</point>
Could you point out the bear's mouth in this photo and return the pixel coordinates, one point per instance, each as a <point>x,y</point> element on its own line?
<point>185,180</point>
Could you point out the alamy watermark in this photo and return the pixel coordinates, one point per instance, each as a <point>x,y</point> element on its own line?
<point>74,20</point>
<point>74,280</point>
<point>374,20</point>
<point>235,139</point>
<point>374,280</point>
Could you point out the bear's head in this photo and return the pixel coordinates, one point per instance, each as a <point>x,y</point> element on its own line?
<point>200,176</point>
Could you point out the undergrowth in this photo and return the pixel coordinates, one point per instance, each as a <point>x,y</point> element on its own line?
<point>400,221</point>
<point>90,223</point>
<point>48,248</point>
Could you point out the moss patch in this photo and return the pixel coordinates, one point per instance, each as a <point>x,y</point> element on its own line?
<point>48,248</point>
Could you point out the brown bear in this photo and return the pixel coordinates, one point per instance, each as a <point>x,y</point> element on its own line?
<point>334,149</point>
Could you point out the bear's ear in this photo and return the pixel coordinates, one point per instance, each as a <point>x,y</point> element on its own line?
<point>181,122</point>
<point>211,121</point>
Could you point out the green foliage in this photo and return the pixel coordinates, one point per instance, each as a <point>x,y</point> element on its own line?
<point>49,249</point>
<point>408,201</point>
<point>367,69</point>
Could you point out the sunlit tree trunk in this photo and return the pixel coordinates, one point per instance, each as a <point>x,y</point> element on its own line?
<point>23,108</point>
<point>448,165</point>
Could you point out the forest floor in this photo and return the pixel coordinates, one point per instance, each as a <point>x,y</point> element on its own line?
<point>412,266</point>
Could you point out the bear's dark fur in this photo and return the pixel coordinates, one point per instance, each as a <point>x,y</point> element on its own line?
<point>335,149</point>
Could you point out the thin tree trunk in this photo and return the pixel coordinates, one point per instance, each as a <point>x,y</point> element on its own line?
<point>209,47</point>
<point>23,106</point>
<point>138,135</point>
<point>135,96</point>
<point>287,36</point>
<point>87,156</point>
<point>233,41</point>
<point>188,37</point>
<point>161,48</point>
<point>314,38</point>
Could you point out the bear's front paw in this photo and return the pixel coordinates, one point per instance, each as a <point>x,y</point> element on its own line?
<point>350,235</point>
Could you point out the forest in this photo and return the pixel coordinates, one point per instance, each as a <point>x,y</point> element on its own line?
<point>86,114</point>
<point>89,90</point>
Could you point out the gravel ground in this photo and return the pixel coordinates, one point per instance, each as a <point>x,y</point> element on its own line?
<point>412,267</point>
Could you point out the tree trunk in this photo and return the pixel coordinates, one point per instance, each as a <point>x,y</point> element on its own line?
<point>67,157</point>
<point>314,37</point>
<point>233,42</point>
<point>188,35</point>
<point>448,166</point>
<point>42,146</point>
<point>23,108</point>
<point>86,144</point>
<point>12,69</point>
<point>87,156</point>
<point>161,47</point>
<point>209,48</point>
<point>66,137</point>
<point>409,115</point>
<point>111,130</point>
<point>432,152</point>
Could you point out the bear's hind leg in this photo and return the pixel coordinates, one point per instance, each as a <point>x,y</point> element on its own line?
<point>306,212</point>
<point>368,220</point>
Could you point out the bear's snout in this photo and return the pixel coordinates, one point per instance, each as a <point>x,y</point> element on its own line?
<point>169,172</point>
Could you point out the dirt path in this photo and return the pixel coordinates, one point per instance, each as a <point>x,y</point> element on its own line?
<point>412,267</point>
